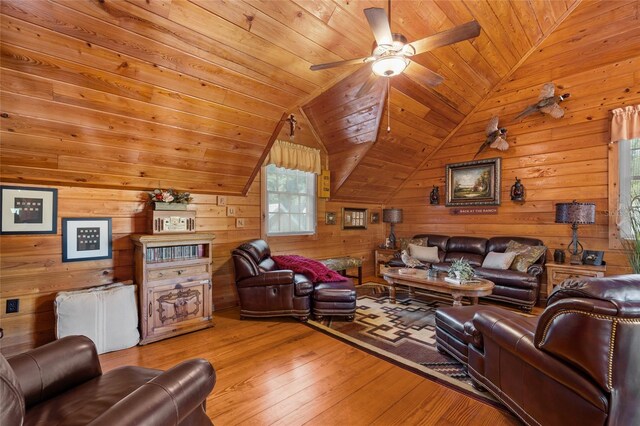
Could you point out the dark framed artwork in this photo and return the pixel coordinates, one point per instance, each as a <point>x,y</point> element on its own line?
<point>592,257</point>
<point>86,239</point>
<point>473,183</point>
<point>330,218</point>
<point>353,218</point>
<point>27,210</point>
<point>375,218</point>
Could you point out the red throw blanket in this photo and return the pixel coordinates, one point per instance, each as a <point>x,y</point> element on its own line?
<point>312,269</point>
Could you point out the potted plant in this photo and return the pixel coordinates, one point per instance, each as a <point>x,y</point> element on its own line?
<point>461,270</point>
<point>631,239</point>
<point>168,199</point>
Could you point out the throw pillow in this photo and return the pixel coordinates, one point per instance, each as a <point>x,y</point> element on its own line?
<point>525,255</point>
<point>424,254</point>
<point>404,242</point>
<point>495,260</point>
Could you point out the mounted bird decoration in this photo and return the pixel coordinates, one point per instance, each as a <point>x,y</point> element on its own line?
<point>547,103</point>
<point>496,137</point>
<point>410,262</point>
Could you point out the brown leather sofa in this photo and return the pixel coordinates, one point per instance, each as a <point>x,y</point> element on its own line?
<point>265,291</point>
<point>513,287</point>
<point>62,383</point>
<point>579,363</point>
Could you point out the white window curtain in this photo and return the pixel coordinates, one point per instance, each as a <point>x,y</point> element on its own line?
<point>291,156</point>
<point>625,124</point>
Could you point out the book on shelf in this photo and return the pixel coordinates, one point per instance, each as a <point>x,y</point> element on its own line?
<point>166,254</point>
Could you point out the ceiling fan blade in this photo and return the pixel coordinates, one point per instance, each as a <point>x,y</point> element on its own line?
<point>337,64</point>
<point>444,38</point>
<point>423,75</point>
<point>367,85</point>
<point>379,24</point>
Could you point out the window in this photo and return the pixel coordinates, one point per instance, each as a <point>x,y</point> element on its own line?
<point>290,201</point>
<point>629,178</point>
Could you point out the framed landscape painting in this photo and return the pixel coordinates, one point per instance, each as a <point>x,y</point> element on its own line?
<point>27,210</point>
<point>473,183</point>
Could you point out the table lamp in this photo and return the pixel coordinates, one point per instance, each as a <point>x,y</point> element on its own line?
<point>392,216</point>
<point>576,213</point>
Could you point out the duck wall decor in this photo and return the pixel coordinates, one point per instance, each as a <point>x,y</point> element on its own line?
<point>547,103</point>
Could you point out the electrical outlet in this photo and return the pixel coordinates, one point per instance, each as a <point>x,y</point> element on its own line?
<point>13,306</point>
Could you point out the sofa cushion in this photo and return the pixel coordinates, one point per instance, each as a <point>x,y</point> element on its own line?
<point>499,244</point>
<point>424,254</point>
<point>472,245</point>
<point>418,241</point>
<point>473,259</point>
<point>12,411</point>
<point>525,255</point>
<point>497,260</point>
<point>508,277</point>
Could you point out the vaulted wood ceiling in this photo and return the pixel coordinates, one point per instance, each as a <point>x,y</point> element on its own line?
<point>187,93</point>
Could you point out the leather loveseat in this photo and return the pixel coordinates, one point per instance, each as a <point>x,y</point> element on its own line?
<point>61,383</point>
<point>266,291</point>
<point>513,287</point>
<point>578,364</point>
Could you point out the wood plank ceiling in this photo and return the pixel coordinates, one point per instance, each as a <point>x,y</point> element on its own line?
<point>187,93</point>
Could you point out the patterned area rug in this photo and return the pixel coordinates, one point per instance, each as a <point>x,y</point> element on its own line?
<point>402,333</point>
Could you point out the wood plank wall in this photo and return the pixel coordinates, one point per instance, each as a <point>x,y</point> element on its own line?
<point>31,267</point>
<point>557,160</point>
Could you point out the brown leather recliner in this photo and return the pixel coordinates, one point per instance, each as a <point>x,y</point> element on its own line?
<point>62,383</point>
<point>265,291</point>
<point>579,365</point>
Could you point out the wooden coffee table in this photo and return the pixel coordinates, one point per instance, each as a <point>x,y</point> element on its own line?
<point>421,280</point>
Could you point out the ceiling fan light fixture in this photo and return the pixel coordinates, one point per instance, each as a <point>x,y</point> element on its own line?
<point>388,66</point>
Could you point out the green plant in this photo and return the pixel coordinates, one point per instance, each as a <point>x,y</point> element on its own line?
<point>461,269</point>
<point>631,239</point>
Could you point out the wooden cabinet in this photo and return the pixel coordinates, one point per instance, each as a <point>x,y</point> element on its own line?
<point>558,272</point>
<point>174,276</point>
<point>381,257</point>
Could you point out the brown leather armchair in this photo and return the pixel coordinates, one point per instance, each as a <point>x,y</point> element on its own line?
<point>62,383</point>
<point>580,364</point>
<point>265,291</point>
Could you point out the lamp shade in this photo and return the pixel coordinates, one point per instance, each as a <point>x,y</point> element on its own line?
<point>580,213</point>
<point>388,66</point>
<point>392,215</point>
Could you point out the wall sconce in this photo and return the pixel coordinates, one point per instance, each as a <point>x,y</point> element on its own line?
<point>434,197</point>
<point>517,191</point>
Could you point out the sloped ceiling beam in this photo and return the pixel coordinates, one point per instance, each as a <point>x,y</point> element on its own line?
<point>488,96</point>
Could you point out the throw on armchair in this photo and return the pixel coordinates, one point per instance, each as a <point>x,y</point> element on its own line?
<point>579,365</point>
<point>62,383</point>
<point>265,291</point>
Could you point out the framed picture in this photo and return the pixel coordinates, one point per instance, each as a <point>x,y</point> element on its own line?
<point>473,183</point>
<point>375,217</point>
<point>330,218</point>
<point>592,257</point>
<point>353,218</point>
<point>86,239</point>
<point>28,210</point>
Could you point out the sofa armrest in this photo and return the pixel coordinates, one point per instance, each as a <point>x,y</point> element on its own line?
<point>518,339</point>
<point>284,276</point>
<point>535,270</point>
<point>166,399</point>
<point>53,368</point>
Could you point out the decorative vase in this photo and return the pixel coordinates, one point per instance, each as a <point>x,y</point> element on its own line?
<point>160,205</point>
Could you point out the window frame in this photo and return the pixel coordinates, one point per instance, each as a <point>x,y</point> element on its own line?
<point>265,207</point>
<point>615,188</point>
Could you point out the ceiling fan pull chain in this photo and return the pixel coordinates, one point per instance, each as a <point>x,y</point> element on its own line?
<point>389,100</point>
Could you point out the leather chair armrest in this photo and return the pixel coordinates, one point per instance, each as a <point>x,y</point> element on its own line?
<point>535,270</point>
<point>165,400</point>
<point>519,340</point>
<point>284,276</point>
<point>54,368</point>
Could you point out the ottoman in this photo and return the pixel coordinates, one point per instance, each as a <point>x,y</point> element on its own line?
<point>452,336</point>
<point>334,299</point>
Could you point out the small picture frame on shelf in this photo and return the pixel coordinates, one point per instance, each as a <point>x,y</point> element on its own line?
<point>330,218</point>
<point>375,218</point>
<point>27,210</point>
<point>593,257</point>
<point>86,239</point>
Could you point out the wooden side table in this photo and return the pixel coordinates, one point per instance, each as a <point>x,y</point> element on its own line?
<point>558,272</point>
<point>381,257</point>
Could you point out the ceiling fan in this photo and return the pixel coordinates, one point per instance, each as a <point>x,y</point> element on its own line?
<point>391,53</point>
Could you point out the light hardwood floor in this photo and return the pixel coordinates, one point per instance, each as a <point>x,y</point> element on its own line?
<point>282,372</point>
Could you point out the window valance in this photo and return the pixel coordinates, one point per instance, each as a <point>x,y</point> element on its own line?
<point>625,123</point>
<point>294,157</point>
